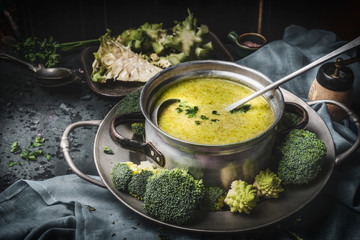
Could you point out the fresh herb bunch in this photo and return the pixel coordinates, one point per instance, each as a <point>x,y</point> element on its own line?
<point>45,51</point>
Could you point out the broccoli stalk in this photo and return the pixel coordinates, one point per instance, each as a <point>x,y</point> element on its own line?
<point>268,184</point>
<point>242,197</point>
<point>173,196</point>
<point>301,156</point>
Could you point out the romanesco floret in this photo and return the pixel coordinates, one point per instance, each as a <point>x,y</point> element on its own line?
<point>301,157</point>
<point>172,196</point>
<point>242,197</point>
<point>213,199</point>
<point>137,184</point>
<point>121,174</point>
<point>268,184</point>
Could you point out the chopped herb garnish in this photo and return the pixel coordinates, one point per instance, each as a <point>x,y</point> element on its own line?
<point>15,147</point>
<point>48,156</point>
<point>215,112</point>
<point>191,112</point>
<point>39,142</point>
<point>215,120</point>
<point>91,209</point>
<point>12,163</point>
<point>243,109</point>
<point>107,150</point>
<point>28,155</point>
<point>197,122</point>
<point>203,117</point>
<point>178,109</point>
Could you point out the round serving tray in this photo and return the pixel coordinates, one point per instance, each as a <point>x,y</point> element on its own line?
<point>266,212</point>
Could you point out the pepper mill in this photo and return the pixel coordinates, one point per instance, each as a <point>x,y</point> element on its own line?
<point>334,81</point>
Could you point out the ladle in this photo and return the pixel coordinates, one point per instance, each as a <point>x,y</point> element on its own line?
<point>346,47</point>
<point>47,77</point>
<point>159,108</point>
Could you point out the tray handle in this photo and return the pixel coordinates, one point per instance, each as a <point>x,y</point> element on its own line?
<point>353,117</point>
<point>65,146</point>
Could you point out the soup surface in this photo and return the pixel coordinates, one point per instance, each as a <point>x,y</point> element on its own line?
<point>200,116</point>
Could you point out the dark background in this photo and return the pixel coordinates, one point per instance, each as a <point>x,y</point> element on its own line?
<point>75,20</point>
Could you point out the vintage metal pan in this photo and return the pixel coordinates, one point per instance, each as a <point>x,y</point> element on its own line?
<point>267,212</point>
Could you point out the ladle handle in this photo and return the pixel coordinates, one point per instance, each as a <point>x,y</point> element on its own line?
<point>14,59</point>
<point>346,47</point>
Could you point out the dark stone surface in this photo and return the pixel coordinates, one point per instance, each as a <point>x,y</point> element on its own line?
<point>28,111</point>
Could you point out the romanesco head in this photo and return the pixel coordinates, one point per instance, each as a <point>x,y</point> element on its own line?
<point>242,197</point>
<point>268,184</point>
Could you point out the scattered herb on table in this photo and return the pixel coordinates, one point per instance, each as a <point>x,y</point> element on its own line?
<point>107,150</point>
<point>15,147</point>
<point>29,155</point>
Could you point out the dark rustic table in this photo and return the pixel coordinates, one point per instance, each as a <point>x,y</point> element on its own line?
<point>28,111</point>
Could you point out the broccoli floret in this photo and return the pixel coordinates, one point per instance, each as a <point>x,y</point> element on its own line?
<point>213,199</point>
<point>268,184</point>
<point>122,173</point>
<point>137,184</point>
<point>301,157</point>
<point>242,197</point>
<point>172,196</point>
<point>138,128</point>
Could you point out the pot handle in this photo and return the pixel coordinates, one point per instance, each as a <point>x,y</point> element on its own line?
<point>145,148</point>
<point>65,146</point>
<point>353,117</point>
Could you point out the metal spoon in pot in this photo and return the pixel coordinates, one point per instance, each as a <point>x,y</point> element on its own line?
<point>46,77</point>
<point>346,47</point>
<point>160,107</point>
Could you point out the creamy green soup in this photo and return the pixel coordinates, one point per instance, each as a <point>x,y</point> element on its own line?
<point>200,116</point>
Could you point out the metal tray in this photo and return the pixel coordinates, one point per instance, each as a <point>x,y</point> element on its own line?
<point>121,89</point>
<point>267,211</point>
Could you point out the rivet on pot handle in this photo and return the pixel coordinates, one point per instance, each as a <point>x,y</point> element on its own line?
<point>146,148</point>
<point>65,146</point>
<point>353,117</point>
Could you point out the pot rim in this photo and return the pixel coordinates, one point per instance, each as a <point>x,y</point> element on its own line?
<point>253,140</point>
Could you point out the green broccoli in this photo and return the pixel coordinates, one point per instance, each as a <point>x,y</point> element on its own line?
<point>173,196</point>
<point>122,173</point>
<point>137,184</point>
<point>213,199</point>
<point>242,197</point>
<point>138,128</point>
<point>268,184</point>
<point>301,156</point>
<point>288,120</point>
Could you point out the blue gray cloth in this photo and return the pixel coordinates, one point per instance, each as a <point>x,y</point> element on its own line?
<point>67,207</point>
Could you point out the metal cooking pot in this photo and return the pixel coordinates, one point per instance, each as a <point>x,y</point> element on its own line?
<point>267,212</point>
<point>215,164</point>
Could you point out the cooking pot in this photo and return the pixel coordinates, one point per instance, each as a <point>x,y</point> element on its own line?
<point>215,164</point>
<point>291,200</point>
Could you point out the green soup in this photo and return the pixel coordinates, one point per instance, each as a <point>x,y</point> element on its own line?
<point>200,116</point>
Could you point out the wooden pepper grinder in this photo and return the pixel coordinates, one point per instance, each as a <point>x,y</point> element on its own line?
<point>334,81</point>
